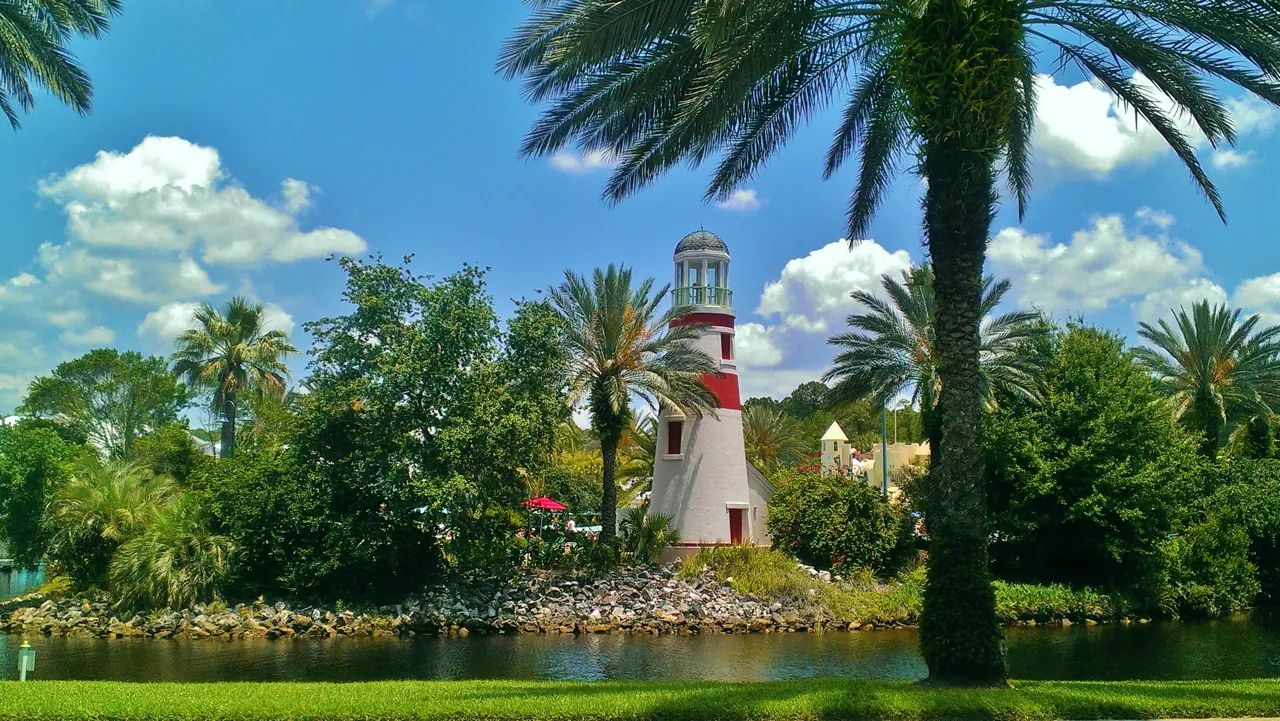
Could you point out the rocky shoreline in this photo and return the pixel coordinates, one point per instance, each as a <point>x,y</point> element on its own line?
<point>641,601</point>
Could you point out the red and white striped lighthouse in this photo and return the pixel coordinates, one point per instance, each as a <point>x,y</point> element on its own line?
<point>701,476</point>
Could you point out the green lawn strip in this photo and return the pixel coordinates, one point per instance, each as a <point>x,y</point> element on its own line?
<point>703,701</point>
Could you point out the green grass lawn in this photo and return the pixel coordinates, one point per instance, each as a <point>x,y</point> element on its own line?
<point>808,699</point>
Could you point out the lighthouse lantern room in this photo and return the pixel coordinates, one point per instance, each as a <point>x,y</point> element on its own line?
<point>701,478</point>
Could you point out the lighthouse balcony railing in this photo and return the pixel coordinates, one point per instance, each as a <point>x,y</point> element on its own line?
<point>703,295</point>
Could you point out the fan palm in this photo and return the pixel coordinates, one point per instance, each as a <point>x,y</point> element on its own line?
<point>948,83</point>
<point>1217,370</point>
<point>620,347</point>
<point>173,561</point>
<point>646,536</point>
<point>894,348</point>
<point>34,54</point>
<point>232,353</point>
<point>96,511</point>
<point>771,436</point>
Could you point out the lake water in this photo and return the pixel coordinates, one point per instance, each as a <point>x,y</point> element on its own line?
<point>1238,648</point>
<point>17,582</point>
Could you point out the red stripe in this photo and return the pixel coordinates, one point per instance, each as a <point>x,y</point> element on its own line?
<point>720,319</point>
<point>725,388</point>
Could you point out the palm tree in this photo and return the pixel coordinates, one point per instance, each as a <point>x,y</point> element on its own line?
<point>949,84</point>
<point>772,437</point>
<point>230,354</point>
<point>34,51</point>
<point>96,511</point>
<point>620,348</point>
<point>636,455</point>
<point>1216,370</point>
<point>173,561</point>
<point>894,348</point>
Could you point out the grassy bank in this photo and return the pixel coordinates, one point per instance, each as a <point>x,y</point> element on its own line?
<point>810,699</point>
<point>769,574</point>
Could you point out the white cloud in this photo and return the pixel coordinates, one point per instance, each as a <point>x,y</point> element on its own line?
<point>171,194</point>
<point>373,8</point>
<point>583,162</point>
<point>812,293</point>
<point>137,279</point>
<point>1083,129</point>
<point>1101,264</point>
<point>741,200</point>
<point>1158,304</point>
<point>24,280</point>
<point>776,383</point>
<point>98,335</point>
<point>1227,158</point>
<point>68,318</point>
<point>753,346</point>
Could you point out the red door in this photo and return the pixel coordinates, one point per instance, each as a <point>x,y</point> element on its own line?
<point>735,525</point>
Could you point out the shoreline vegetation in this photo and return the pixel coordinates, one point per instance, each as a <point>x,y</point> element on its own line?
<point>704,701</point>
<point>725,590</point>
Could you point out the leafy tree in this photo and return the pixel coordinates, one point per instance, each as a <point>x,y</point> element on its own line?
<point>35,53</point>
<point>808,398</point>
<point>421,414</point>
<point>829,522</point>
<point>1216,370</point>
<point>169,450</point>
<point>1245,494</point>
<point>232,354</point>
<point>948,83</point>
<point>34,463</point>
<point>772,437</point>
<point>619,348</point>
<point>1086,485</point>
<point>894,348</point>
<point>1209,571</point>
<point>95,512</point>
<point>109,397</point>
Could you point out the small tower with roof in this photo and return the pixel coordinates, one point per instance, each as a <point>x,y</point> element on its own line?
<point>836,456</point>
<point>701,477</point>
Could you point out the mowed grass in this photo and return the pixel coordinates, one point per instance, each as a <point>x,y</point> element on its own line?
<point>703,701</point>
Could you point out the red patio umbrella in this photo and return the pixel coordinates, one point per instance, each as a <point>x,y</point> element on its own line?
<point>546,504</point>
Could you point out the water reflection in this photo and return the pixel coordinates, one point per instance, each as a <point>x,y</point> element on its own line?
<point>18,581</point>
<point>1240,648</point>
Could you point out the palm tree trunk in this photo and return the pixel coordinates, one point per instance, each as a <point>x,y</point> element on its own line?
<point>609,487</point>
<point>1208,421</point>
<point>959,635</point>
<point>229,426</point>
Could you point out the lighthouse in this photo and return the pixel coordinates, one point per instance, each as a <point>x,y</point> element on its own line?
<point>701,478</point>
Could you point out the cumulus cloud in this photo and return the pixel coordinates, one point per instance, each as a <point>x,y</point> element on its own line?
<point>1159,304</point>
<point>741,200</point>
<point>98,335</point>
<point>137,279</point>
<point>776,383</point>
<point>578,163</point>
<point>753,346</point>
<point>1105,262</point>
<point>171,194</point>
<point>1083,129</point>
<point>812,293</point>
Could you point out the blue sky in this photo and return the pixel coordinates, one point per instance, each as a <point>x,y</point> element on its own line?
<point>234,144</point>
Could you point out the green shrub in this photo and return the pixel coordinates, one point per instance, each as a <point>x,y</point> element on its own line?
<point>169,451</point>
<point>173,561</point>
<point>1055,602</point>
<point>1209,572</point>
<point>1247,496</point>
<point>829,521</point>
<point>35,460</point>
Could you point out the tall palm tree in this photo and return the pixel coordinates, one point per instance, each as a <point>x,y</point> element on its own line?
<point>949,84</point>
<point>621,347</point>
<point>772,437</point>
<point>636,454</point>
<point>894,348</point>
<point>230,354</point>
<point>34,53</point>
<point>1216,370</point>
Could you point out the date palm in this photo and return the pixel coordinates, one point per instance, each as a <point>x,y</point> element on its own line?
<point>622,348</point>
<point>230,354</point>
<point>33,51</point>
<point>949,84</point>
<point>893,349</point>
<point>1218,371</point>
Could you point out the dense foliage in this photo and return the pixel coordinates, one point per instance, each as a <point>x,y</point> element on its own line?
<point>1084,486</point>
<point>830,521</point>
<point>34,462</point>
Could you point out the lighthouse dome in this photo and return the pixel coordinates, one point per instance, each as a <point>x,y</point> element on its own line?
<point>701,240</point>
